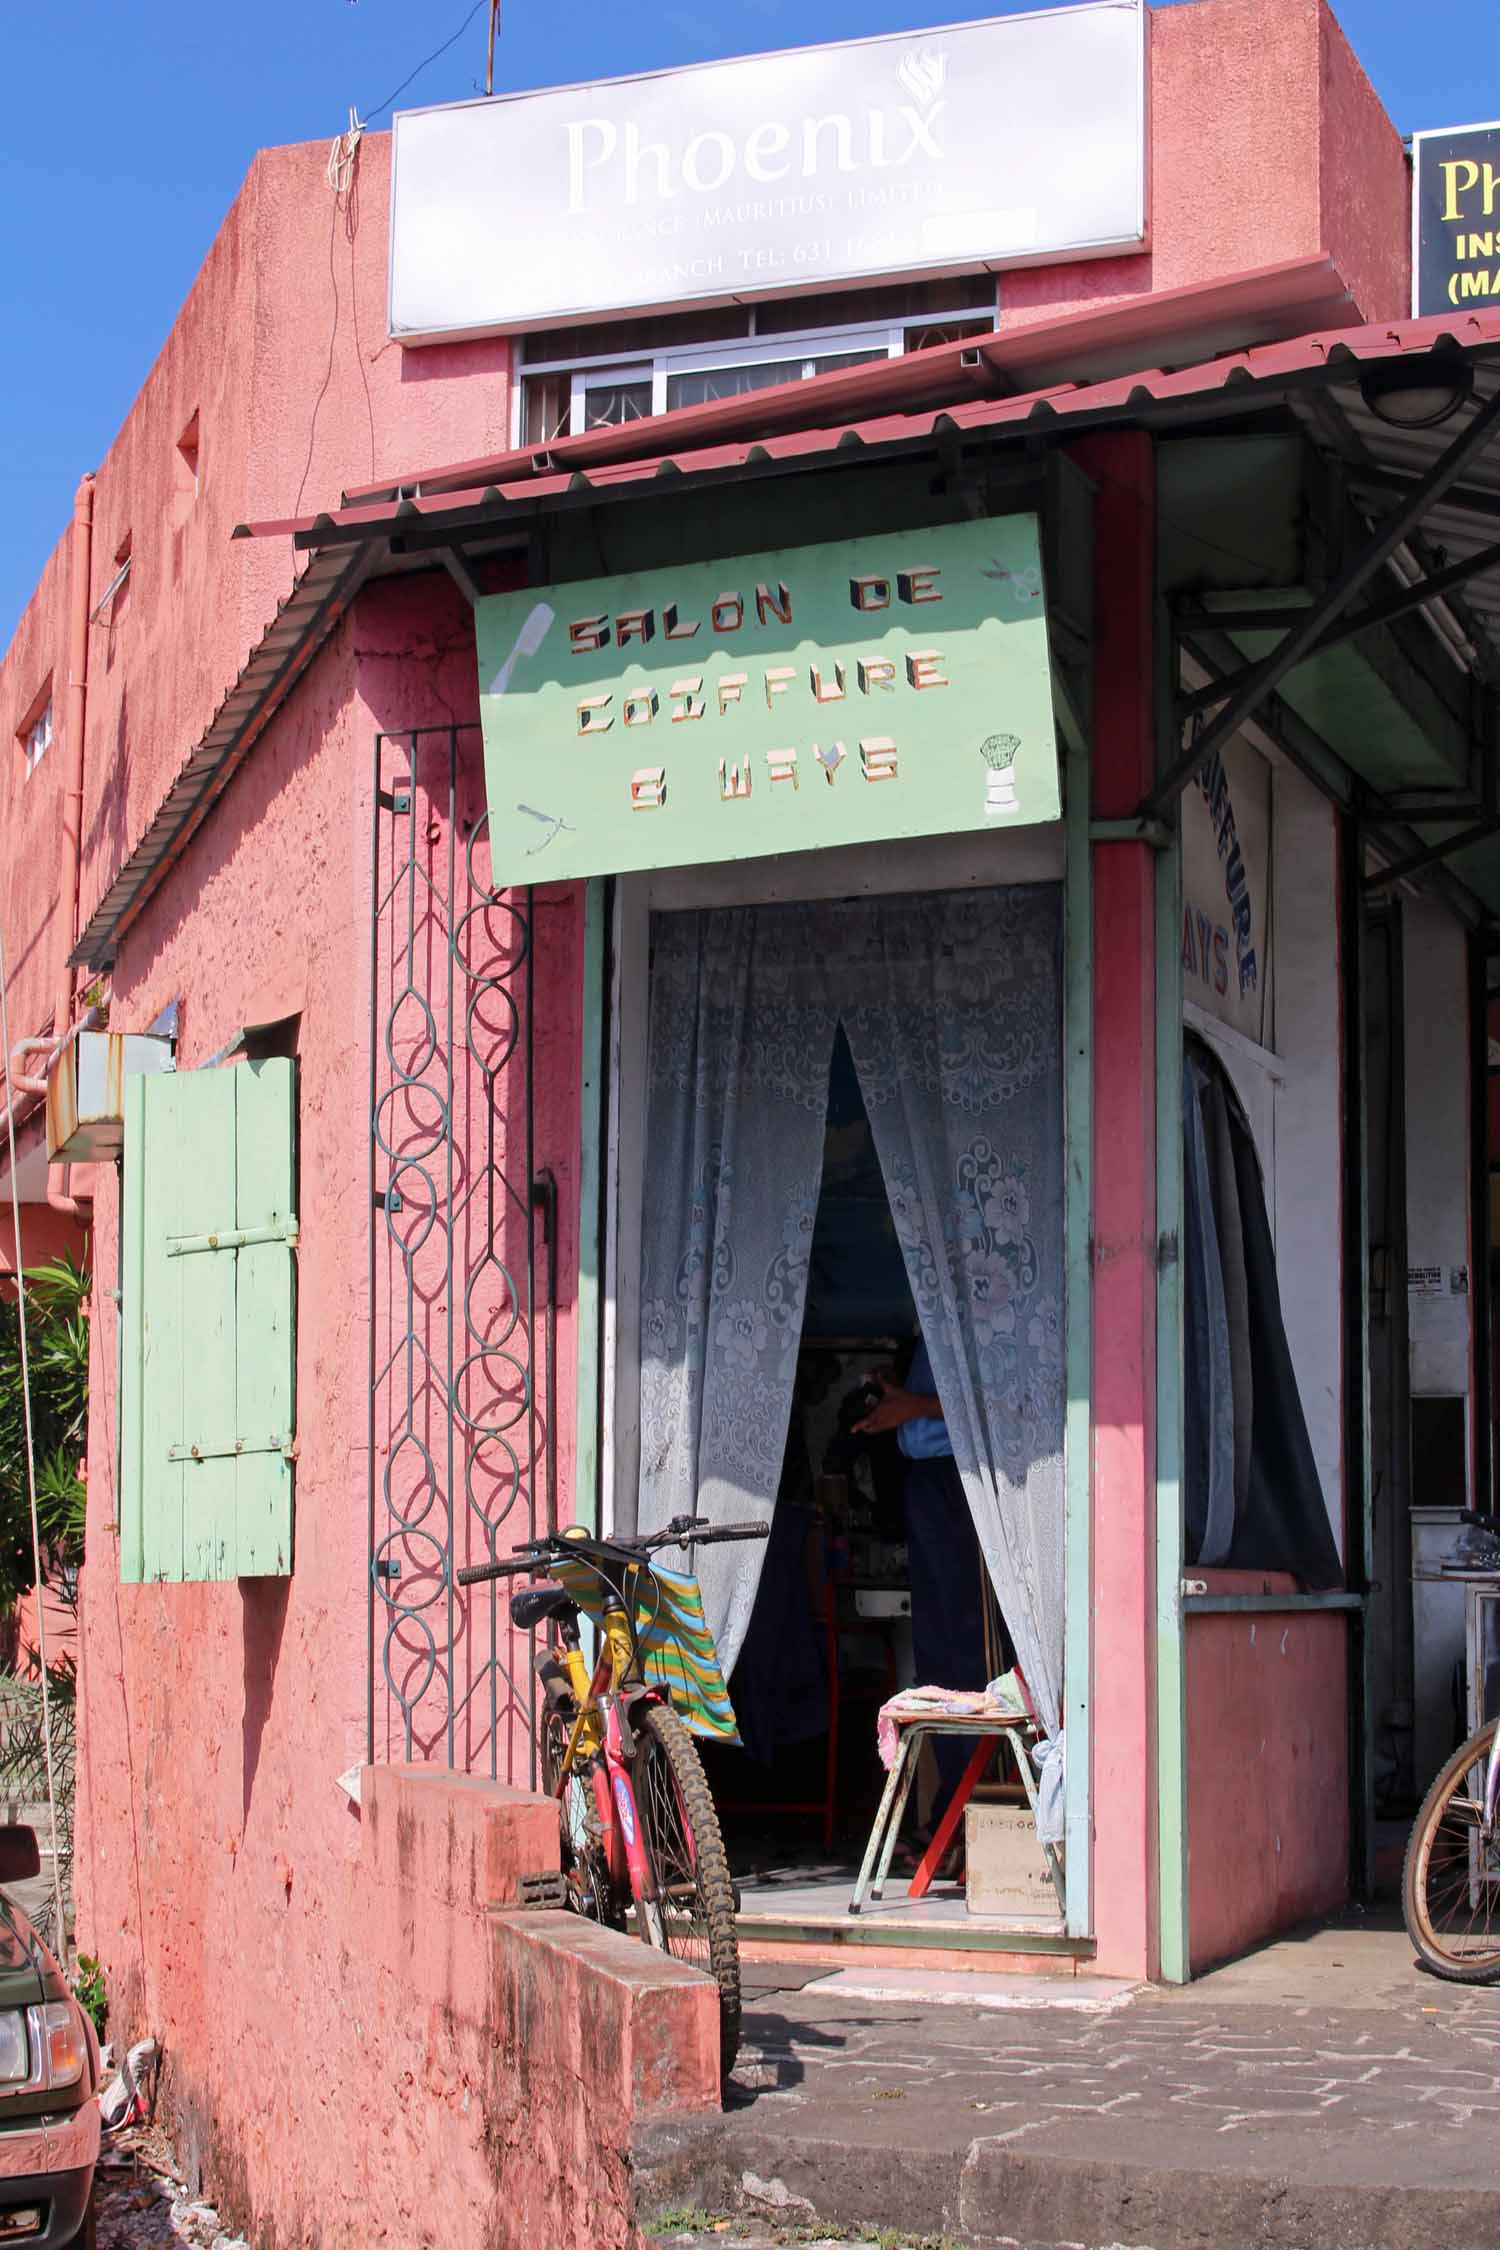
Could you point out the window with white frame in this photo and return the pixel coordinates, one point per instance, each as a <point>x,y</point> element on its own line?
<point>598,378</point>
<point>36,734</point>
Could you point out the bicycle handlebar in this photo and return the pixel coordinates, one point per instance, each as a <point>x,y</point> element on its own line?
<point>477,1573</point>
<point>683,1532</point>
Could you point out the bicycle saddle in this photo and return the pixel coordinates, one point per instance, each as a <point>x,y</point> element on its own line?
<point>529,1608</point>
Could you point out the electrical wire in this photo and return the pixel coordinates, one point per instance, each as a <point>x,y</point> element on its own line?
<point>36,1535</point>
<point>436,54</point>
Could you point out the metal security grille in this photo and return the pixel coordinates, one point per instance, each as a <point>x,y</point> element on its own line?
<point>456,1218</point>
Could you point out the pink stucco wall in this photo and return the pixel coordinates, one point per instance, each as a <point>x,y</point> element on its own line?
<point>217,1858</point>
<point>1267,1774</point>
<point>442,2067</point>
<point>1267,142</point>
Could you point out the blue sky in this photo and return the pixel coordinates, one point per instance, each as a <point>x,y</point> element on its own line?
<point>129,130</point>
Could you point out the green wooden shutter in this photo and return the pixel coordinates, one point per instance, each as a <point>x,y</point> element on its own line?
<point>208,1312</point>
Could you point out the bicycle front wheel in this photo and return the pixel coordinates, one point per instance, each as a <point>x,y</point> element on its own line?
<point>1451,1890</point>
<point>692,1915</point>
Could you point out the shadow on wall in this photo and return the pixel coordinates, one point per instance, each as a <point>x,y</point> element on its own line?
<point>108,839</point>
<point>263,1603</point>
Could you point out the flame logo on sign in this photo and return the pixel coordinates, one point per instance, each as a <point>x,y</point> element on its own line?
<point>923,72</point>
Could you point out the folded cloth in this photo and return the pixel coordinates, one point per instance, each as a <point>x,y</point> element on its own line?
<point>1004,1698</point>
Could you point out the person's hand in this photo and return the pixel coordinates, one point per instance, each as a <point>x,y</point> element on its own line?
<point>896,1407</point>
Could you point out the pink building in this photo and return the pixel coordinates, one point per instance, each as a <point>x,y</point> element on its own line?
<point>278,766</point>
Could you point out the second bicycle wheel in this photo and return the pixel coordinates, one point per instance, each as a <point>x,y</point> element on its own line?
<point>694,1909</point>
<point>1451,1889</point>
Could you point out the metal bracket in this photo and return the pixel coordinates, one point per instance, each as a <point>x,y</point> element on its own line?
<point>229,1452</point>
<point>233,1238</point>
<point>389,1199</point>
<point>395,800</point>
<point>1137,830</point>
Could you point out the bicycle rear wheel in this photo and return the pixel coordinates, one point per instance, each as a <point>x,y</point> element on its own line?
<point>692,1917</point>
<point>1451,1889</point>
<point>584,1868</point>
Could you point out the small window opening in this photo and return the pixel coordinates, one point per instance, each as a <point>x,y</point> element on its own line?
<point>35,731</point>
<point>112,600</point>
<point>187,459</point>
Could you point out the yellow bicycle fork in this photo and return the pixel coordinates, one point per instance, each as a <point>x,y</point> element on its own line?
<point>615,1659</point>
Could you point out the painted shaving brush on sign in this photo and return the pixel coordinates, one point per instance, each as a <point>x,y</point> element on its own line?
<point>999,754</point>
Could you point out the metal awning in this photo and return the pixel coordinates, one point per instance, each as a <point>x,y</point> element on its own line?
<point>1432,512</point>
<point>302,623</point>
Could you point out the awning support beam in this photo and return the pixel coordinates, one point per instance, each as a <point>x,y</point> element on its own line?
<point>1258,680</point>
<point>1401,604</point>
<point>1429,855</point>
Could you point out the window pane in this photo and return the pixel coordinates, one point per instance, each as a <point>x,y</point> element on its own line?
<point>546,409</point>
<point>846,308</point>
<point>700,389</point>
<point>832,360</point>
<point>614,403</point>
<point>628,339</point>
<point>948,332</point>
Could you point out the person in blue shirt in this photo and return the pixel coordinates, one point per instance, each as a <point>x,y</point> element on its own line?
<point>945,1566</point>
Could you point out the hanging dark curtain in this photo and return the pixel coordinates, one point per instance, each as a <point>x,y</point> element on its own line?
<point>1253,1500</point>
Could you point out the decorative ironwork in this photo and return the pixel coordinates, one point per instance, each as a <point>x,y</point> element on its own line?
<point>456,1448</point>
<point>23,1790</point>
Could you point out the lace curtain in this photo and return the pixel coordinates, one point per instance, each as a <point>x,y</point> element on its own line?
<point>951,1004</point>
<point>740,1043</point>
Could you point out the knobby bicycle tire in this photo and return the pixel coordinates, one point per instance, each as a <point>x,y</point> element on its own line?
<point>714,1936</point>
<point>1426,1853</point>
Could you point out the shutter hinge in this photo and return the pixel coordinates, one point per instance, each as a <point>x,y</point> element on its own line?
<point>233,1238</point>
<point>229,1452</point>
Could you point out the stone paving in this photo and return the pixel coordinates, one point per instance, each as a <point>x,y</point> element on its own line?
<point>1330,2084</point>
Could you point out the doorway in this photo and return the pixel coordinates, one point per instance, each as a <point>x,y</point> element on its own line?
<point>831,1143</point>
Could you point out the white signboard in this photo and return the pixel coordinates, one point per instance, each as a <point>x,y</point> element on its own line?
<point>1226,853</point>
<point>1004,143</point>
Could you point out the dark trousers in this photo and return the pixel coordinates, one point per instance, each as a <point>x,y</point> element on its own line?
<point>947,1599</point>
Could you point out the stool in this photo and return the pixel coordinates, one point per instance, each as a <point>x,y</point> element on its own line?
<point>987,1734</point>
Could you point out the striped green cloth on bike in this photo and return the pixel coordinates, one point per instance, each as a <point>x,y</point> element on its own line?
<point>677,1649</point>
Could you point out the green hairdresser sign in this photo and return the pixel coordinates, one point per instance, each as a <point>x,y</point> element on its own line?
<point>838,694</point>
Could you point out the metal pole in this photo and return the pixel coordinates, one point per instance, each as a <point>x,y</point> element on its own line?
<point>489,64</point>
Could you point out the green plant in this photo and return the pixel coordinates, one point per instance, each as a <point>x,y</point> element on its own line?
<point>89,1992</point>
<point>57,1345</point>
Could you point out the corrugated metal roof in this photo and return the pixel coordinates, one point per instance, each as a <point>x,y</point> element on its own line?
<point>774,430</point>
<point>302,623</point>
<point>1171,326</point>
<point>1229,383</point>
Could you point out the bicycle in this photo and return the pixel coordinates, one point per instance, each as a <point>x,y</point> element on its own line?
<point>639,1831</point>
<point>1450,1890</point>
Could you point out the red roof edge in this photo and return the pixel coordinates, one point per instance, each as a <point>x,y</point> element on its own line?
<point>1193,322</point>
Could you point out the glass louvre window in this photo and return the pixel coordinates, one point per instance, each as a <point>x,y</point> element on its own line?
<point>945,332</point>
<point>701,387</point>
<point>650,366</point>
<point>547,409</point>
<point>607,405</point>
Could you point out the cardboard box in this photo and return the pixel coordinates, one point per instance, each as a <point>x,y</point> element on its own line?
<point>1007,1868</point>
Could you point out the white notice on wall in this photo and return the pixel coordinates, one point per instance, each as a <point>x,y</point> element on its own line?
<point>1424,1281</point>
